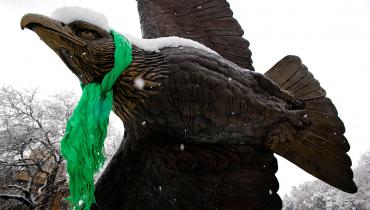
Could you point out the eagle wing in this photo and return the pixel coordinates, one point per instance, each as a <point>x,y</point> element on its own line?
<point>209,22</point>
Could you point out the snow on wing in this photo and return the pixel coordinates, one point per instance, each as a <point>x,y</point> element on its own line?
<point>208,22</point>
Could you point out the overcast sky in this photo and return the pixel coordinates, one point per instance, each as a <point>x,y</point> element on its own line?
<point>332,37</point>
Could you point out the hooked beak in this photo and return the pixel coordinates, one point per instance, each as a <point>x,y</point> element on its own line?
<point>65,41</point>
<point>49,29</point>
<point>30,20</point>
<point>57,35</point>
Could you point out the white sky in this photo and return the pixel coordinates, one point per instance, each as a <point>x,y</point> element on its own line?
<point>332,37</point>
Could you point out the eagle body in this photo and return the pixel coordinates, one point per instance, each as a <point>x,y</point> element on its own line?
<point>187,149</point>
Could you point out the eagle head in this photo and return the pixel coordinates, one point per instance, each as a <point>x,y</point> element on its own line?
<point>86,49</point>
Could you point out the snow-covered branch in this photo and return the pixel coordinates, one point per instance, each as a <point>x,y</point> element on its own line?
<point>20,198</point>
<point>318,195</point>
<point>32,169</point>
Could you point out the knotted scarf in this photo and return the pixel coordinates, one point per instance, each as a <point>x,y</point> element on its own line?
<point>83,143</point>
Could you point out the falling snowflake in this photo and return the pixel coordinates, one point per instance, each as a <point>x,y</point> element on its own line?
<point>139,83</point>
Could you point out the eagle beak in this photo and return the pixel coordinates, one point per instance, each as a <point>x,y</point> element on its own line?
<point>33,20</point>
<point>49,29</point>
<point>58,36</point>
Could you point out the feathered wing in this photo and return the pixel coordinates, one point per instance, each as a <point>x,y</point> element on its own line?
<point>209,22</point>
<point>320,148</point>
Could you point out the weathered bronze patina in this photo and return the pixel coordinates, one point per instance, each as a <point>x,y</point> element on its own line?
<point>202,131</point>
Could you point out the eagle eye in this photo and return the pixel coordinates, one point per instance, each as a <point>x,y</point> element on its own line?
<point>87,34</point>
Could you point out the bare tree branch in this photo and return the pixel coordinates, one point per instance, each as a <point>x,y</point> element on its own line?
<point>17,187</point>
<point>30,130</point>
<point>20,198</point>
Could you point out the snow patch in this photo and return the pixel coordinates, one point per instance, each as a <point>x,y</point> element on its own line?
<point>154,45</point>
<point>139,83</point>
<point>70,14</point>
<point>182,147</point>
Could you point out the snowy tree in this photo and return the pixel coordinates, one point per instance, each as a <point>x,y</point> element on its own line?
<point>318,195</point>
<point>29,146</point>
<point>32,170</point>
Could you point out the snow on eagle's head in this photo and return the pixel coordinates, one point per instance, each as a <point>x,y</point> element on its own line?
<point>82,42</point>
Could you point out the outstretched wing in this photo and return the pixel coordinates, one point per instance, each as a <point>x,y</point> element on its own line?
<point>209,22</point>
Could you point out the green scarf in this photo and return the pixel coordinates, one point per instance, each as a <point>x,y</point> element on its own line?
<point>83,142</point>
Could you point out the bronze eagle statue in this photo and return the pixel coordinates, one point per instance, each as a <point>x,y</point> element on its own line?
<point>202,130</point>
